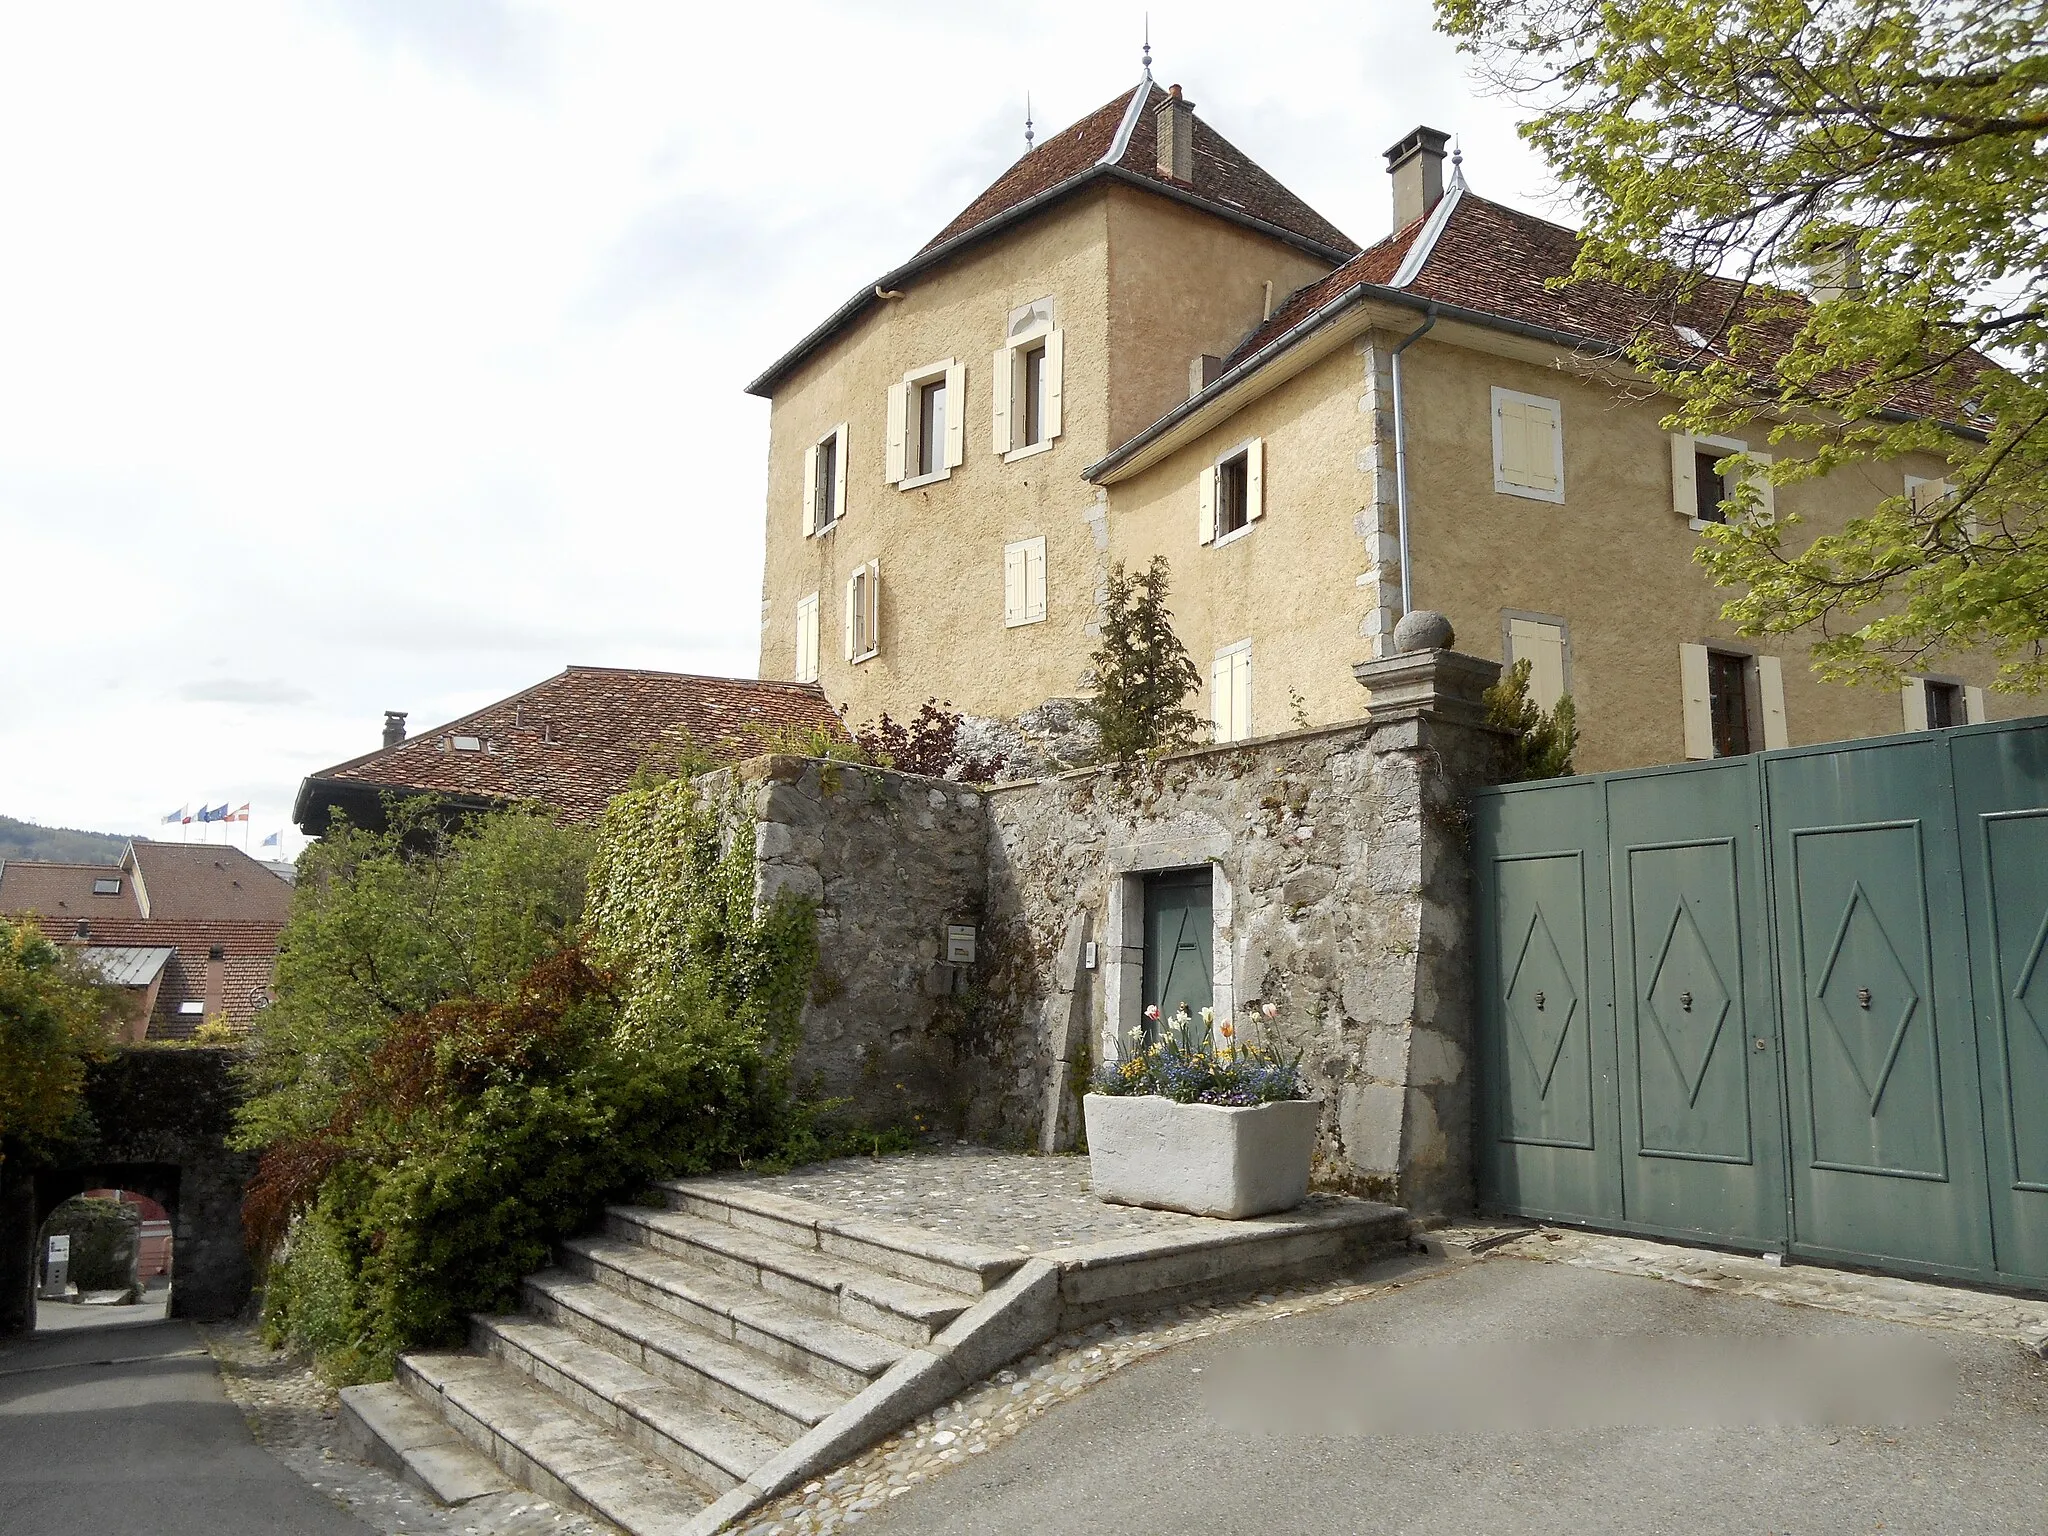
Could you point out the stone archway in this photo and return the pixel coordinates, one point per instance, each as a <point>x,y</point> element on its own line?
<point>164,1115</point>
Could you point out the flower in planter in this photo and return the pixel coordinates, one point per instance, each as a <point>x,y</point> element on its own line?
<point>1152,1013</point>
<point>1187,1067</point>
<point>1271,1011</point>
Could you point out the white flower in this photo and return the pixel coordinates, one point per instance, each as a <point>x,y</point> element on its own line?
<point>1271,1010</point>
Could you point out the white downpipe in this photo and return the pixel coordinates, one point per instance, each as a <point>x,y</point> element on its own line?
<point>1401,460</point>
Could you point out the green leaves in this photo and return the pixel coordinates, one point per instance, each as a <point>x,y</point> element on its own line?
<point>52,1026</point>
<point>1543,740</point>
<point>1891,154</point>
<point>1141,670</point>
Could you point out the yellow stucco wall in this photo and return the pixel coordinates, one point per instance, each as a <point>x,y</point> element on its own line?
<point>940,545</point>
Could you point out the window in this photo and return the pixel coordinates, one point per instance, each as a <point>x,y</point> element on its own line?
<point>806,669</point>
<point>1230,692</point>
<point>1233,492</point>
<point>189,1009</point>
<point>925,412</point>
<point>1545,644</point>
<point>1733,703</point>
<point>864,612</point>
<point>1026,370</point>
<point>107,885</point>
<point>1528,446</point>
<point>468,743</point>
<point>825,482</point>
<point>1935,703</point>
<point>1701,494</point>
<point>1024,582</point>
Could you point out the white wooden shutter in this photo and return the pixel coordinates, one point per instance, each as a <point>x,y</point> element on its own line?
<point>810,490</point>
<point>1055,367</point>
<point>899,426</point>
<point>1034,580</point>
<point>1255,480</point>
<point>853,605</point>
<point>874,596</point>
<point>839,471</point>
<point>1763,512</point>
<point>1205,527</point>
<point>1770,683</point>
<point>1685,492</point>
<point>1525,443</point>
<point>956,414</point>
<point>1914,695</point>
<point>1241,695</point>
<point>1542,646</point>
<point>1002,378</point>
<point>1973,706</point>
<point>1015,581</point>
<point>807,639</point>
<point>1924,493</point>
<point>1219,697</point>
<point>1699,704</point>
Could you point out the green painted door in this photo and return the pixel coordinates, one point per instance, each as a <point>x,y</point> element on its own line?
<point>1179,932</point>
<point>1701,1131</point>
<point>1547,1133</point>
<point>2001,782</point>
<point>1887,1149</point>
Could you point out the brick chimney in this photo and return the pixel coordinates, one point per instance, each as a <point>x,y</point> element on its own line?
<point>1416,164</point>
<point>394,727</point>
<point>1175,121</point>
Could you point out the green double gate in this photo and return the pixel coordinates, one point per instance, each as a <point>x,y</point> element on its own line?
<point>1792,1002</point>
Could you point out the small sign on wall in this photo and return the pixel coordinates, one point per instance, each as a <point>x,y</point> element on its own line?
<point>960,943</point>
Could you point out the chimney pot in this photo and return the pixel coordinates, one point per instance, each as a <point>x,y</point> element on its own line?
<point>84,929</point>
<point>1175,126</point>
<point>394,727</point>
<point>1202,372</point>
<point>1416,165</point>
<point>1836,272</point>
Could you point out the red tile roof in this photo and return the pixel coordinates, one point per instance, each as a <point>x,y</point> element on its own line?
<point>248,961</point>
<point>576,740</point>
<point>65,890</point>
<point>204,881</point>
<point>1227,183</point>
<point>1226,179</point>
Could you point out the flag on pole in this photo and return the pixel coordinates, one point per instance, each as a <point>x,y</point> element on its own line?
<point>215,813</point>
<point>275,840</point>
<point>240,813</point>
<point>182,814</point>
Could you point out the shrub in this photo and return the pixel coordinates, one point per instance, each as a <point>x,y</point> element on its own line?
<point>53,1025</point>
<point>106,1237</point>
<point>928,745</point>
<point>1141,670</point>
<point>1544,740</point>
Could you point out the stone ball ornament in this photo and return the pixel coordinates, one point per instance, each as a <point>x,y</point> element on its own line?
<point>1423,630</point>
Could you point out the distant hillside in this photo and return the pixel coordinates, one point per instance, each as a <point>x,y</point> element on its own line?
<point>58,845</point>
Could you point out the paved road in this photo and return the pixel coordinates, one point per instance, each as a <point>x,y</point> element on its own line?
<point>149,1445</point>
<point>1145,1452</point>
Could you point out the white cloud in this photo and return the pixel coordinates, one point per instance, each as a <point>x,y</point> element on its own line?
<point>367,354</point>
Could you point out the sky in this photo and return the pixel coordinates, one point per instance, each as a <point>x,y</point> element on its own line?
<point>389,354</point>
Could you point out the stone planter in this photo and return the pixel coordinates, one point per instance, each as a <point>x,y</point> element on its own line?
<point>1200,1158</point>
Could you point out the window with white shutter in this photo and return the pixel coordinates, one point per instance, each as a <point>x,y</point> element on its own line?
<point>1935,703</point>
<point>864,612</point>
<point>1024,582</point>
<point>927,410</point>
<point>806,670</point>
<point>1230,692</point>
<point>1233,492</point>
<point>1026,380</point>
<point>1528,446</point>
<point>1543,643</point>
<point>1770,687</point>
<point>1702,493</point>
<point>825,481</point>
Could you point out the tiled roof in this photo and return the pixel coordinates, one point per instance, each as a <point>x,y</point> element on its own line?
<point>1227,183</point>
<point>248,955</point>
<point>207,880</point>
<point>64,890</point>
<point>1225,177</point>
<point>576,740</point>
<point>1497,262</point>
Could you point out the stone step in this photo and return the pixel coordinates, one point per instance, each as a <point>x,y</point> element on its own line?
<point>715,1450</point>
<point>904,1311</point>
<point>818,1343</point>
<point>547,1446</point>
<point>776,1398</point>
<point>393,1429</point>
<point>910,1253</point>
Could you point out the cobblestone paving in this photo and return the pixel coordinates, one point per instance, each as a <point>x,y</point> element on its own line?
<point>999,1199</point>
<point>297,1419</point>
<point>1003,1405</point>
<point>1881,1297</point>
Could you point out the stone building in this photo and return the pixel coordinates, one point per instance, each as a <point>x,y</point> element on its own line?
<point>1139,342</point>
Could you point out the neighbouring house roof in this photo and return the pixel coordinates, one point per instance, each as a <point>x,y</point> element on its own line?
<point>128,965</point>
<point>1118,141</point>
<point>1481,262</point>
<point>65,889</point>
<point>572,742</point>
<point>246,966</point>
<point>206,880</point>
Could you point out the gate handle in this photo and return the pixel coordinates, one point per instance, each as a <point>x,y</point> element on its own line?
<point>1863,997</point>
<point>1685,1001</point>
<point>1539,1002</point>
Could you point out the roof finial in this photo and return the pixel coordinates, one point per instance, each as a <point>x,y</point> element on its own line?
<point>1148,45</point>
<point>1027,123</point>
<point>1457,164</point>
